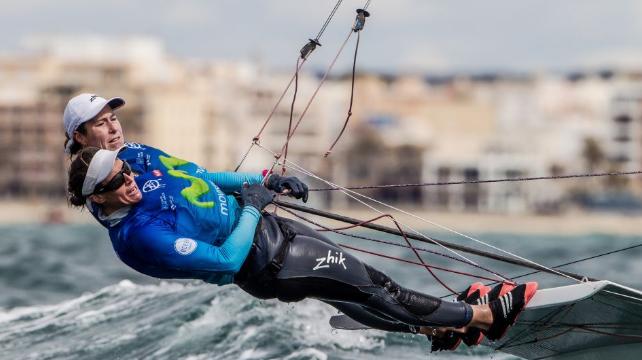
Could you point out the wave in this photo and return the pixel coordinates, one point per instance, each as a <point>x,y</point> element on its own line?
<point>174,320</point>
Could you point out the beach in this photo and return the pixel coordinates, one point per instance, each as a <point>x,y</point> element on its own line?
<point>569,223</point>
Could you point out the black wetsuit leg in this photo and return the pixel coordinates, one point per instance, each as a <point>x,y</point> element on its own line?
<point>371,318</point>
<point>315,267</point>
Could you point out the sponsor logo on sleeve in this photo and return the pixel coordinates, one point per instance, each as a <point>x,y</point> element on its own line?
<point>185,246</point>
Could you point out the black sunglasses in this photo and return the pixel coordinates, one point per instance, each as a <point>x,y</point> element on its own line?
<point>117,181</point>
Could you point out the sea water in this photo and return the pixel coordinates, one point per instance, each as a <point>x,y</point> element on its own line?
<point>65,295</point>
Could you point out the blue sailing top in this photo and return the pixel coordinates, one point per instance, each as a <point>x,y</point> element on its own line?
<point>187,225</point>
<point>144,158</point>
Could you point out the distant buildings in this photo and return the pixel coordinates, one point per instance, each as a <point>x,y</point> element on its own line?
<point>404,129</point>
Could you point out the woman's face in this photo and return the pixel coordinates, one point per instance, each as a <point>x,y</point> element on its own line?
<point>127,194</point>
<point>103,131</point>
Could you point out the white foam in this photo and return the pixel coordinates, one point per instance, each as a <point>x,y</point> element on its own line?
<point>308,353</point>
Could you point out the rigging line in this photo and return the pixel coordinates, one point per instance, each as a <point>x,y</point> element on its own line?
<point>278,102</point>
<point>257,137</point>
<point>625,336</point>
<point>359,23</point>
<point>324,228</point>
<point>305,110</point>
<point>428,267</point>
<point>327,21</point>
<point>421,260</point>
<point>578,261</point>
<point>557,177</point>
<point>548,269</point>
<point>321,82</point>
<point>630,314</point>
<point>345,124</point>
<point>362,14</point>
<point>428,239</point>
<point>611,325</point>
<point>421,263</point>
<point>247,152</point>
<point>296,90</point>
<point>571,328</point>
<point>637,299</point>
<point>543,324</point>
<point>305,52</point>
<point>423,236</point>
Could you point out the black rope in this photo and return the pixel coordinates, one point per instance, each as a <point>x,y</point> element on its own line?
<point>584,259</point>
<point>566,264</point>
<point>354,71</point>
<point>325,228</point>
<point>556,177</point>
<point>305,51</point>
<point>429,240</point>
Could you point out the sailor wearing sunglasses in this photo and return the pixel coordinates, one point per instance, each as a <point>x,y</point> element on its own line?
<point>176,226</point>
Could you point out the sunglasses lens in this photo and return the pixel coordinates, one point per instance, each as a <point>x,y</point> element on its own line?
<point>127,169</point>
<point>117,181</point>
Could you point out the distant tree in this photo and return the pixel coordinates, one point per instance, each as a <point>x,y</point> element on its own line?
<point>556,170</point>
<point>593,154</point>
<point>365,153</point>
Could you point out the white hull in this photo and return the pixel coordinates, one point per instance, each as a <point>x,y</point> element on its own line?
<point>592,320</point>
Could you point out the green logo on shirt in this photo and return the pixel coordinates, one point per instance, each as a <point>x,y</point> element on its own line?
<point>197,186</point>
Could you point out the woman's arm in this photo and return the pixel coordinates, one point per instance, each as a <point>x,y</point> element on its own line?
<point>229,182</point>
<point>160,244</point>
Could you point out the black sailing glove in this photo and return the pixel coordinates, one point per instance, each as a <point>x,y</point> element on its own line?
<point>298,189</point>
<point>257,196</point>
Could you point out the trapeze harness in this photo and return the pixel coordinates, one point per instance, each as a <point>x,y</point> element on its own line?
<point>290,261</point>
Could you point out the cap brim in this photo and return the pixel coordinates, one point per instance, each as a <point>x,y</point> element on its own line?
<point>115,103</point>
<point>99,169</point>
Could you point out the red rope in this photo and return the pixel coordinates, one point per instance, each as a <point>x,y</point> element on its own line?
<point>416,263</point>
<point>403,233</point>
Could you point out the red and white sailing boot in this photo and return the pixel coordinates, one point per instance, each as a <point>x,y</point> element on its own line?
<point>507,308</point>
<point>474,336</point>
<point>451,340</point>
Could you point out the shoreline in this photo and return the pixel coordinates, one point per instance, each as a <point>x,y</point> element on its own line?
<point>570,223</point>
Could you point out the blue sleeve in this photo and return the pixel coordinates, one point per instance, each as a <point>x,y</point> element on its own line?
<point>230,181</point>
<point>171,251</point>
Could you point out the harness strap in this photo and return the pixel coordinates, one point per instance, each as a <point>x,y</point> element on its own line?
<point>276,264</point>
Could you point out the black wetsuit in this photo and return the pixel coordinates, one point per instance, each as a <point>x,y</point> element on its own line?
<point>290,261</point>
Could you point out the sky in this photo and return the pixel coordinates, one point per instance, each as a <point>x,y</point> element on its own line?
<point>400,36</point>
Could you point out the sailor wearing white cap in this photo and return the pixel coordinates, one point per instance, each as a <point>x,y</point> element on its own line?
<point>90,110</point>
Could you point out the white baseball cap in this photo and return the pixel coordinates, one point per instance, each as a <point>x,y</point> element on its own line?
<point>100,167</point>
<point>82,108</point>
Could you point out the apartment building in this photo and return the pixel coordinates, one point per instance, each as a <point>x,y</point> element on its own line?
<point>404,129</point>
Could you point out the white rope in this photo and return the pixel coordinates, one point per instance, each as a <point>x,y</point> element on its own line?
<point>346,191</point>
<point>311,174</point>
